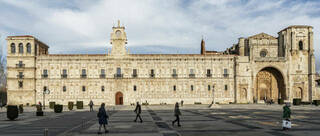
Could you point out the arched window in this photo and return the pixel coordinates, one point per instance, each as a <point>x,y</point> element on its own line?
<point>300,45</point>
<point>13,48</point>
<point>28,48</point>
<point>20,48</point>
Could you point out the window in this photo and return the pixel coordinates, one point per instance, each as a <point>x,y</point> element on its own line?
<point>118,71</point>
<point>134,73</point>
<point>225,72</point>
<point>191,87</point>
<point>20,75</point>
<point>300,45</point>
<point>83,88</point>
<point>83,73</point>
<point>35,49</point>
<point>102,73</point>
<point>191,74</point>
<point>263,53</point>
<point>209,73</point>
<point>64,88</point>
<point>191,71</point>
<point>134,88</point>
<point>45,73</point>
<point>28,48</point>
<point>226,87</point>
<point>20,84</point>
<point>152,73</point>
<point>64,73</point>
<point>13,48</point>
<point>20,48</point>
<point>102,88</point>
<point>44,88</point>
<point>174,73</point>
<point>209,87</point>
<point>174,88</point>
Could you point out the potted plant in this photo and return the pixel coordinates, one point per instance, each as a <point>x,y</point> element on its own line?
<point>79,104</point>
<point>51,105</point>
<point>58,108</point>
<point>70,105</point>
<point>12,112</point>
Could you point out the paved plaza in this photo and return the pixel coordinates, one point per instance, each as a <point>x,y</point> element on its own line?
<point>196,120</point>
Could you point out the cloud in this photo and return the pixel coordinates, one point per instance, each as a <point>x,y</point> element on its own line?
<point>69,25</point>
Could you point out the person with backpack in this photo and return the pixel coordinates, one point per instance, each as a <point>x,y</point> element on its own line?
<point>103,118</point>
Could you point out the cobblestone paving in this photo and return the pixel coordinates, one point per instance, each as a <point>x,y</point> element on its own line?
<point>196,120</point>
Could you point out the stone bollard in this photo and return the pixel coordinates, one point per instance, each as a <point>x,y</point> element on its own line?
<point>45,132</point>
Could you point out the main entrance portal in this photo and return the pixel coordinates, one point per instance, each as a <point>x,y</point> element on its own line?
<point>119,98</point>
<point>269,85</point>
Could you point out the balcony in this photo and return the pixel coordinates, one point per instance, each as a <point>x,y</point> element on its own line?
<point>225,75</point>
<point>118,75</point>
<point>209,75</point>
<point>134,75</point>
<point>20,76</point>
<point>44,76</point>
<point>192,75</point>
<point>175,75</point>
<point>152,75</point>
<point>102,76</point>
<point>20,65</point>
<point>83,76</point>
<point>64,76</point>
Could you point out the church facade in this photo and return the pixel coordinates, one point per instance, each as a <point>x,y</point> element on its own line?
<point>256,68</point>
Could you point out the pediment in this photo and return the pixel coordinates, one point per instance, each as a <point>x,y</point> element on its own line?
<point>262,36</point>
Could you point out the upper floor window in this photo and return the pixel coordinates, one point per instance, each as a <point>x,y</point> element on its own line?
<point>118,71</point>
<point>209,73</point>
<point>134,88</point>
<point>174,88</point>
<point>44,88</point>
<point>209,87</point>
<point>83,88</point>
<point>64,73</point>
<point>174,73</point>
<point>102,73</point>
<point>83,73</point>
<point>28,48</point>
<point>226,87</point>
<point>134,73</point>
<point>152,73</point>
<point>263,53</point>
<point>64,88</point>
<point>20,48</point>
<point>225,72</point>
<point>191,74</point>
<point>20,75</point>
<point>13,48</point>
<point>45,73</point>
<point>20,84</point>
<point>102,88</point>
<point>191,87</point>
<point>300,45</point>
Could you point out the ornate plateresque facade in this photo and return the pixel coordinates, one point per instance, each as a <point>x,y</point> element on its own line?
<point>256,68</point>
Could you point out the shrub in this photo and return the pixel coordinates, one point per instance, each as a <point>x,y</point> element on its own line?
<point>12,112</point>
<point>316,102</point>
<point>51,105</point>
<point>58,108</point>
<point>21,108</point>
<point>280,101</point>
<point>296,101</point>
<point>70,105</point>
<point>79,104</point>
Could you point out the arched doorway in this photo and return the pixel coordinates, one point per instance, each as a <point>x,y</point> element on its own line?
<point>269,85</point>
<point>243,95</point>
<point>298,93</point>
<point>119,98</point>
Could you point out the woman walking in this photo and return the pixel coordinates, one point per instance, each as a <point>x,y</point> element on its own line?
<point>177,113</point>
<point>103,118</point>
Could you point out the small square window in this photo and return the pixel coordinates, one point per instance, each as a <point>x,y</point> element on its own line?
<point>191,87</point>
<point>134,88</point>
<point>20,84</point>
<point>209,87</point>
<point>83,88</point>
<point>226,87</point>
<point>174,88</point>
<point>102,88</point>
<point>64,88</point>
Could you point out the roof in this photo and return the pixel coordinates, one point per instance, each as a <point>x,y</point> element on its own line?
<point>262,36</point>
<point>297,26</point>
<point>29,36</point>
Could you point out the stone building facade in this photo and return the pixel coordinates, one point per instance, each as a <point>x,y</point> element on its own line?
<point>256,68</point>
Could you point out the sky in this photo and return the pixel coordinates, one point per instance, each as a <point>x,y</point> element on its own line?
<point>174,26</point>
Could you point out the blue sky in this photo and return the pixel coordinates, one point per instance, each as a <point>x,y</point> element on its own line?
<point>84,26</point>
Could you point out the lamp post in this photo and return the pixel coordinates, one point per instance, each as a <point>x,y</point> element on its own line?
<point>46,91</point>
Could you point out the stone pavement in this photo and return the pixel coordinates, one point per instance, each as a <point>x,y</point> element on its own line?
<point>199,120</point>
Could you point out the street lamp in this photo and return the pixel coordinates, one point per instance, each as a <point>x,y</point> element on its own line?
<point>45,91</point>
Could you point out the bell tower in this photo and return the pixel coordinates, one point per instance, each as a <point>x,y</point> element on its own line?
<point>118,40</point>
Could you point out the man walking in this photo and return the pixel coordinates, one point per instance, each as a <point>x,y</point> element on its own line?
<point>177,113</point>
<point>103,118</point>
<point>91,105</point>
<point>138,112</point>
<point>286,124</point>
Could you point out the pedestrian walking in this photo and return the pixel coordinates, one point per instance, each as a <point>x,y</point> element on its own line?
<point>138,112</point>
<point>103,118</point>
<point>91,105</point>
<point>181,103</point>
<point>177,113</point>
<point>286,123</point>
